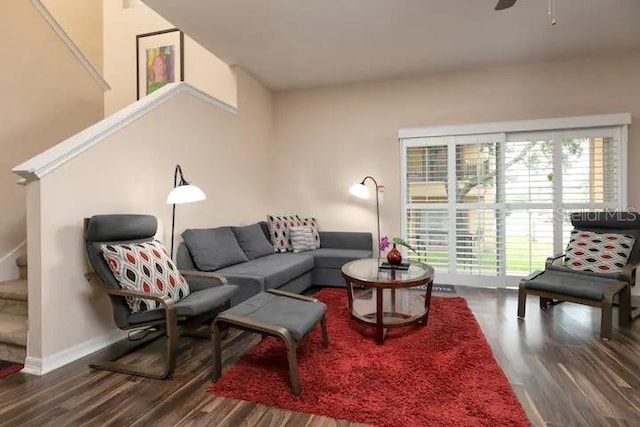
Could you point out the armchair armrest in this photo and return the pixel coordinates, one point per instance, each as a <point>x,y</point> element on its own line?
<point>291,295</point>
<point>169,304</point>
<point>94,279</point>
<point>552,259</point>
<point>196,274</point>
<point>628,273</point>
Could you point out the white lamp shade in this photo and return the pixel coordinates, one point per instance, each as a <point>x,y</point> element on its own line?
<point>360,191</point>
<point>185,194</point>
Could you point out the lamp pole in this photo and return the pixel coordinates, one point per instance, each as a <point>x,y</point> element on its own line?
<point>177,170</point>
<point>377,206</point>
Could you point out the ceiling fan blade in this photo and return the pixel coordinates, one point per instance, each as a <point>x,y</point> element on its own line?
<point>505,4</point>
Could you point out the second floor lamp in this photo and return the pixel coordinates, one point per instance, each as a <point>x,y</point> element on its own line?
<point>182,192</point>
<point>361,191</point>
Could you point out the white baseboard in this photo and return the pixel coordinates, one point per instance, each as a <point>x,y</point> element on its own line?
<point>8,267</point>
<point>36,366</point>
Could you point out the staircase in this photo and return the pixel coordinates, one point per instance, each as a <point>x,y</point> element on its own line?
<point>13,316</point>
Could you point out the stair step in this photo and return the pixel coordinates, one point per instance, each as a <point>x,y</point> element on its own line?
<point>13,330</point>
<point>13,353</point>
<point>14,306</point>
<point>14,290</point>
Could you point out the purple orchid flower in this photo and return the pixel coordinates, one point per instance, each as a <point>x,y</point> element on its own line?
<point>384,243</point>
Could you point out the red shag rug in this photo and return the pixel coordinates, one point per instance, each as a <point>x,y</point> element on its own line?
<point>443,374</point>
<point>8,368</point>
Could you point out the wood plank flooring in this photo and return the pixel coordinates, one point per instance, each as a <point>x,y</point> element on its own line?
<point>563,374</point>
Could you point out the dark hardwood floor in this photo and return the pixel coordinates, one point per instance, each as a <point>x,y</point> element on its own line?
<point>563,374</point>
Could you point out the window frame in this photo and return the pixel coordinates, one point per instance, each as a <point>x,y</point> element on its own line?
<point>446,135</point>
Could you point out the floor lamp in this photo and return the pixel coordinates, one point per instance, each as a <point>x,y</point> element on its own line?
<point>361,191</point>
<point>182,192</point>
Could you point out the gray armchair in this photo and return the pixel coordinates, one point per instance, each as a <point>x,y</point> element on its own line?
<point>185,317</point>
<point>558,283</point>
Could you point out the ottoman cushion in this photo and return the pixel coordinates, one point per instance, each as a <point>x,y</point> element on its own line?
<point>296,316</point>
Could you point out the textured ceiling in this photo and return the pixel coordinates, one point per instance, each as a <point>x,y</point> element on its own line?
<point>306,43</point>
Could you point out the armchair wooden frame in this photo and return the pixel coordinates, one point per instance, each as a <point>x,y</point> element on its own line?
<point>619,288</point>
<point>132,228</point>
<point>627,275</point>
<point>612,286</point>
<point>171,325</point>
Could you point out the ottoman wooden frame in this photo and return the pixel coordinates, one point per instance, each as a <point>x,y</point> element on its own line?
<point>225,320</point>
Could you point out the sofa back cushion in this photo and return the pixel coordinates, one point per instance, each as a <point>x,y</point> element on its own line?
<point>253,241</point>
<point>213,248</point>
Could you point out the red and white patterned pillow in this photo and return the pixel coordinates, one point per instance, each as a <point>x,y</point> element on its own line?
<point>313,223</point>
<point>598,252</point>
<point>145,267</point>
<point>279,231</point>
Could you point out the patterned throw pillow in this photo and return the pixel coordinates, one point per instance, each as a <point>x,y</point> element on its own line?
<point>313,223</point>
<point>302,239</point>
<point>598,252</point>
<point>279,231</point>
<point>145,267</point>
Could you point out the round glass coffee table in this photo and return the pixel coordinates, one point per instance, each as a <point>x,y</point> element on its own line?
<point>387,298</point>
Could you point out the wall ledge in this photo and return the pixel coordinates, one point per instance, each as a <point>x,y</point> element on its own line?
<point>56,156</point>
<point>68,41</point>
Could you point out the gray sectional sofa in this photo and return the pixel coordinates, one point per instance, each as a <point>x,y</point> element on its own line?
<point>245,256</point>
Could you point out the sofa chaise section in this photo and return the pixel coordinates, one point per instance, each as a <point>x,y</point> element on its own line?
<point>336,249</point>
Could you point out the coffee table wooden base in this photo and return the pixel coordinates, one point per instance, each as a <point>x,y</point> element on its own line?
<point>392,314</point>
<point>385,298</point>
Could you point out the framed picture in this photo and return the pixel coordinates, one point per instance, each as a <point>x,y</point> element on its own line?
<point>159,60</point>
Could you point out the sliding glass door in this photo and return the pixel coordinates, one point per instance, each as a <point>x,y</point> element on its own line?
<point>487,209</point>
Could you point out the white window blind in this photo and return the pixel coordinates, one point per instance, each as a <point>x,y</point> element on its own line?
<point>488,208</point>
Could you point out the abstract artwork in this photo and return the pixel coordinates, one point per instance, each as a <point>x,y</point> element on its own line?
<point>160,60</point>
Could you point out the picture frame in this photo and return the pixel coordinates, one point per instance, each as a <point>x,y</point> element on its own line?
<point>159,60</point>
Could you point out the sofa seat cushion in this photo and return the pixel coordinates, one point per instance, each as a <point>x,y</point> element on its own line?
<point>200,302</point>
<point>571,284</point>
<point>336,258</point>
<point>276,269</point>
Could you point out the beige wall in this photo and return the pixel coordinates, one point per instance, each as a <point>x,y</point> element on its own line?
<point>82,21</point>
<point>121,25</point>
<point>131,171</point>
<point>46,97</point>
<point>331,137</point>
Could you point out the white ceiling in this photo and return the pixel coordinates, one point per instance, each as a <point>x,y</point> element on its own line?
<point>306,43</point>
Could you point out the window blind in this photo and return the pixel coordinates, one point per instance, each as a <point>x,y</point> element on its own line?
<point>498,204</point>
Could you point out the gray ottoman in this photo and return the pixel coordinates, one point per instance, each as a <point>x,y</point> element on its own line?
<point>278,313</point>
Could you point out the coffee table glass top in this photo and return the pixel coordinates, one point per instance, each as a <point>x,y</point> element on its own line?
<point>367,270</point>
